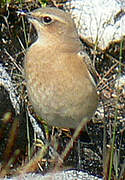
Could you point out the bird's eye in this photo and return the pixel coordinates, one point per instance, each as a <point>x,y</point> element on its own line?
<point>47,20</point>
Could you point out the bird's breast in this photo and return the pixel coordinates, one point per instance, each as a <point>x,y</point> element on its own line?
<point>59,86</point>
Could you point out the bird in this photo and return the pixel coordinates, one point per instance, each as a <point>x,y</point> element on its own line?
<point>59,83</point>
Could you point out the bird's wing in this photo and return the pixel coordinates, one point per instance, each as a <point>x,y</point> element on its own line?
<point>90,66</point>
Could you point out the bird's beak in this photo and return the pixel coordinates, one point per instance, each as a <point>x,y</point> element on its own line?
<point>29,15</point>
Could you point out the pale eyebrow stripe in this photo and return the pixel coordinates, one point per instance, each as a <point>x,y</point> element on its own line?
<point>54,17</point>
